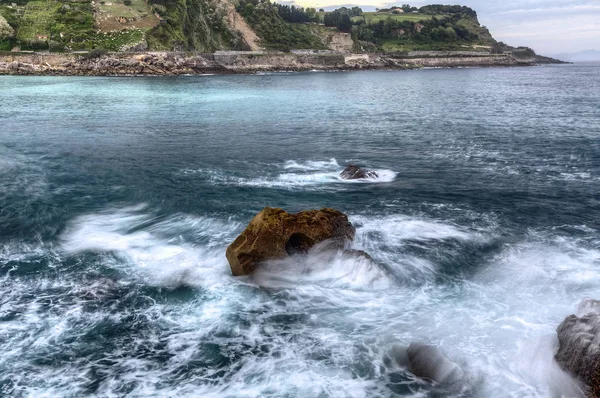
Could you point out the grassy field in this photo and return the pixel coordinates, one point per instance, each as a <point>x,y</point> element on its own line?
<point>382,16</point>
<point>139,12</point>
<point>408,45</point>
<point>37,19</point>
<point>114,41</point>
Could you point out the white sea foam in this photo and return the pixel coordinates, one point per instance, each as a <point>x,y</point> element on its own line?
<point>330,164</point>
<point>397,228</point>
<point>343,270</point>
<point>306,326</point>
<point>304,175</point>
<point>156,257</point>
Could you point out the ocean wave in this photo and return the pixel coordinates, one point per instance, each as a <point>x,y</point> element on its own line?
<point>330,164</point>
<point>304,326</point>
<point>159,252</point>
<point>331,270</point>
<point>306,175</point>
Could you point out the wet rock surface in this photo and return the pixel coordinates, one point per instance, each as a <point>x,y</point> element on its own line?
<point>177,63</point>
<point>426,362</point>
<point>274,234</point>
<point>579,346</point>
<point>352,172</point>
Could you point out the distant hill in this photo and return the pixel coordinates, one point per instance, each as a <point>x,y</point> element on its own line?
<point>581,56</point>
<point>211,25</point>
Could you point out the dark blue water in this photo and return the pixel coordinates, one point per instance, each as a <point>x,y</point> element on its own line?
<point>118,197</point>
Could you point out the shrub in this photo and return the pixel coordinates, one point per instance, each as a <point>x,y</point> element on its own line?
<point>95,53</point>
<point>6,30</point>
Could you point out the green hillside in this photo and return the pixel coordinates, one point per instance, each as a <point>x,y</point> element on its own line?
<point>374,17</point>
<point>115,25</point>
<point>268,20</point>
<point>210,25</point>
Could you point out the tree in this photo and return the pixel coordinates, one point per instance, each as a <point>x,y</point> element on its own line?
<point>345,24</point>
<point>5,29</point>
<point>356,11</point>
<point>332,19</point>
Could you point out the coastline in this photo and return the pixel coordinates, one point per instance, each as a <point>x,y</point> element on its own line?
<point>237,62</point>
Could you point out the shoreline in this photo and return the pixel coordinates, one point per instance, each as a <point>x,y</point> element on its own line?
<point>221,63</point>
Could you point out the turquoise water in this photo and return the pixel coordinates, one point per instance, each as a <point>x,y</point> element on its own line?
<point>119,196</point>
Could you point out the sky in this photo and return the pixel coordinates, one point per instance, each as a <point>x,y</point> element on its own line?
<point>548,26</point>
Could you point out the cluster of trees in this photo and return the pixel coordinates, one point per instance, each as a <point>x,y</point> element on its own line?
<point>405,8</point>
<point>6,30</point>
<point>277,34</point>
<point>434,9</point>
<point>519,52</point>
<point>445,29</point>
<point>342,18</point>
<point>352,12</point>
<point>339,20</point>
<point>297,14</point>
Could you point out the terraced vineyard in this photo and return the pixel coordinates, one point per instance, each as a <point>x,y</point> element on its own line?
<point>37,19</point>
<point>112,16</point>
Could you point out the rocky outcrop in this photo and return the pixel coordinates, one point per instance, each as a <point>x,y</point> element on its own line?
<point>342,42</point>
<point>109,65</point>
<point>275,234</point>
<point>579,346</point>
<point>425,361</point>
<point>352,172</point>
<point>541,60</point>
<point>175,63</point>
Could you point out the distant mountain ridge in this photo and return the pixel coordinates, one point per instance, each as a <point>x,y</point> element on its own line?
<point>580,56</point>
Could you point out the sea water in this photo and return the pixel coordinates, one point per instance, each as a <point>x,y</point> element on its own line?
<point>119,196</point>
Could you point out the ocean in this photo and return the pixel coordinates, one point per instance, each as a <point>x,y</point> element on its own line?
<point>119,196</point>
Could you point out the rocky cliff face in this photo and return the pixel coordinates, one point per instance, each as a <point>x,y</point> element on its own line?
<point>579,345</point>
<point>166,63</point>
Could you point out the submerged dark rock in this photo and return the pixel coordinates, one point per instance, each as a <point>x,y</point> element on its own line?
<point>275,234</point>
<point>353,253</point>
<point>352,172</point>
<point>579,346</point>
<point>425,361</point>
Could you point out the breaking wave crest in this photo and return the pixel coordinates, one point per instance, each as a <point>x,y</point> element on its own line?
<point>178,251</point>
<point>156,294</point>
<point>304,175</point>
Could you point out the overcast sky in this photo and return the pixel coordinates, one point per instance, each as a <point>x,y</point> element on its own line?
<point>547,26</point>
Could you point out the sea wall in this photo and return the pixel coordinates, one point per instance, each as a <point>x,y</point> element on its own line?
<point>166,63</point>
<point>458,61</point>
<point>446,53</point>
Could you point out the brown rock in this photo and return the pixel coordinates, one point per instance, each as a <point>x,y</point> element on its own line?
<point>275,234</point>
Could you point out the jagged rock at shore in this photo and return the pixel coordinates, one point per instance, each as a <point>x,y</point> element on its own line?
<point>352,172</point>
<point>173,63</point>
<point>425,361</point>
<point>579,346</point>
<point>274,234</point>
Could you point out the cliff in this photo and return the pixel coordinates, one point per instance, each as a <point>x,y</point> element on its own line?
<point>169,63</point>
<point>63,26</point>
